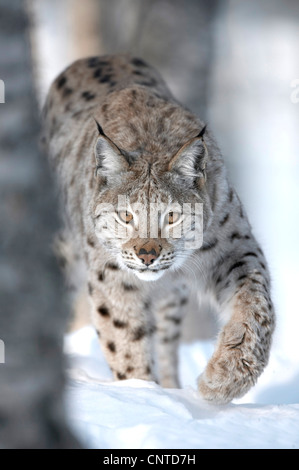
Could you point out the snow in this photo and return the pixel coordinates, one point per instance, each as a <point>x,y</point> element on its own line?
<point>135,414</point>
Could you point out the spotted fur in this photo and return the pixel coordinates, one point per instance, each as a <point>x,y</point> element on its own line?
<point>112,127</point>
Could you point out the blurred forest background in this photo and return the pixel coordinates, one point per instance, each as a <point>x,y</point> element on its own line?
<point>233,62</point>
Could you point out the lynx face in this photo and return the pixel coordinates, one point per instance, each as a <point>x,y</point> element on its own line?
<point>140,219</point>
<point>147,239</point>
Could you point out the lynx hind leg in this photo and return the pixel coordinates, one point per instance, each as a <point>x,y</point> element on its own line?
<point>74,272</point>
<point>169,314</point>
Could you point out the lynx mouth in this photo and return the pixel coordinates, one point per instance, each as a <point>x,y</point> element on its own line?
<point>148,274</point>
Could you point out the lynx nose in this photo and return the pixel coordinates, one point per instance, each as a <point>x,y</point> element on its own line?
<point>147,257</point>
<point>148,253</point>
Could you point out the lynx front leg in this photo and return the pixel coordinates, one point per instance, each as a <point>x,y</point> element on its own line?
<point>243,346</point>
<point>123,325</point>
<point>169,315</point>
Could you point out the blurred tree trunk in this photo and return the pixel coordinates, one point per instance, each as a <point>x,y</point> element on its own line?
<point>176,36</point>
<point>32,311</point>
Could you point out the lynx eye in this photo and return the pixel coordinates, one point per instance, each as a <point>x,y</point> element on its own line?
<point>173,217</point>
<point>125,216</point>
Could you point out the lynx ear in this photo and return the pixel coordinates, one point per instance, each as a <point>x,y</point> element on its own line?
<point>109,158</point>
<point>191,159</point>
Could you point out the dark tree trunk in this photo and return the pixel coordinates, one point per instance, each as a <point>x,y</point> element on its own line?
<point>32,309</point>
<point>176,36</point>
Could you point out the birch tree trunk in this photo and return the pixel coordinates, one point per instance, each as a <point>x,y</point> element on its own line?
<point>32,310</point>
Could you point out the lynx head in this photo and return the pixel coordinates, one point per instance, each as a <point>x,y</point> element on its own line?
<point>150,216</point>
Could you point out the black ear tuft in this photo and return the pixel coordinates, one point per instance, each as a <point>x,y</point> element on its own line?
<point>202,132</point>
<point>100,129</point>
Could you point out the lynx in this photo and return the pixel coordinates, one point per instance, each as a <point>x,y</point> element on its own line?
<point>121,144</point>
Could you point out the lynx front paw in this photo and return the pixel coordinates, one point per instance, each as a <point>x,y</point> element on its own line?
<point>220,383</point>
<point>234,367</point>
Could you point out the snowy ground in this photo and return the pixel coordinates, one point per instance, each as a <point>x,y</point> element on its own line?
<point>134,414</point>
